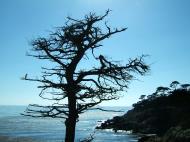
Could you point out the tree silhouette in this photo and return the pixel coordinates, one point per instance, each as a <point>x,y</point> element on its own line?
<point>174,84</point>
<point>162,91</point>
<point>82,88</point>
<point>185,86</point>
<point>142,97</point>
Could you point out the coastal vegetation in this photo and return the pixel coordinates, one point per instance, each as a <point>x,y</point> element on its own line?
<point>164,115</point>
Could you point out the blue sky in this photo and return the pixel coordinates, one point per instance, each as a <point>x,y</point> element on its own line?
<point>159,28</point>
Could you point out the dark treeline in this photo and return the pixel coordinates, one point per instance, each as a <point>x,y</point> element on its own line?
<point>165,113</point>
<point>172,95</point>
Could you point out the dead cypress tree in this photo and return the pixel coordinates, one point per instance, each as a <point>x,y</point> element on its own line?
<point>83,89</point>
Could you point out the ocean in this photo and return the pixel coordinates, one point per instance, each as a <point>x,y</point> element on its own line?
<point>52,130</point>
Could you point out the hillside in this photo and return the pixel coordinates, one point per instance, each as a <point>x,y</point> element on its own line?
<point>165,111</point>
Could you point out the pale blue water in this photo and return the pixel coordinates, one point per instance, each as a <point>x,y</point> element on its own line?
<point>52,130</point>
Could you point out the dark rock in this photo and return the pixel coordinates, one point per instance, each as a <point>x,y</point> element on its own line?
<point>177,134</point>
<point>149,138</point>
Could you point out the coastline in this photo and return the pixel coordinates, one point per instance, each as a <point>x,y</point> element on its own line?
<point>17,128</point>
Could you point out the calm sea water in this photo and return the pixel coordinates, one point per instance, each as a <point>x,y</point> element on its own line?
<point>52,130</point>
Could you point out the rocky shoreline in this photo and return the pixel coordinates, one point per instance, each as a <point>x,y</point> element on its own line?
<point>174,134</point>
<point>163,116</point>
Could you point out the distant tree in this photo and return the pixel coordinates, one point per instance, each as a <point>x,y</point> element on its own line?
<point>174,84</point>
<point>152,96</point>
<point>142,97</point>
<point>185,86</point>
<point>81,88</point>
<point>162,91</point>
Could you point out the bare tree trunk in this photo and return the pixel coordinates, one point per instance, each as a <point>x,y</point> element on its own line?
<point>70,130</point>
<point>70,122</point>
